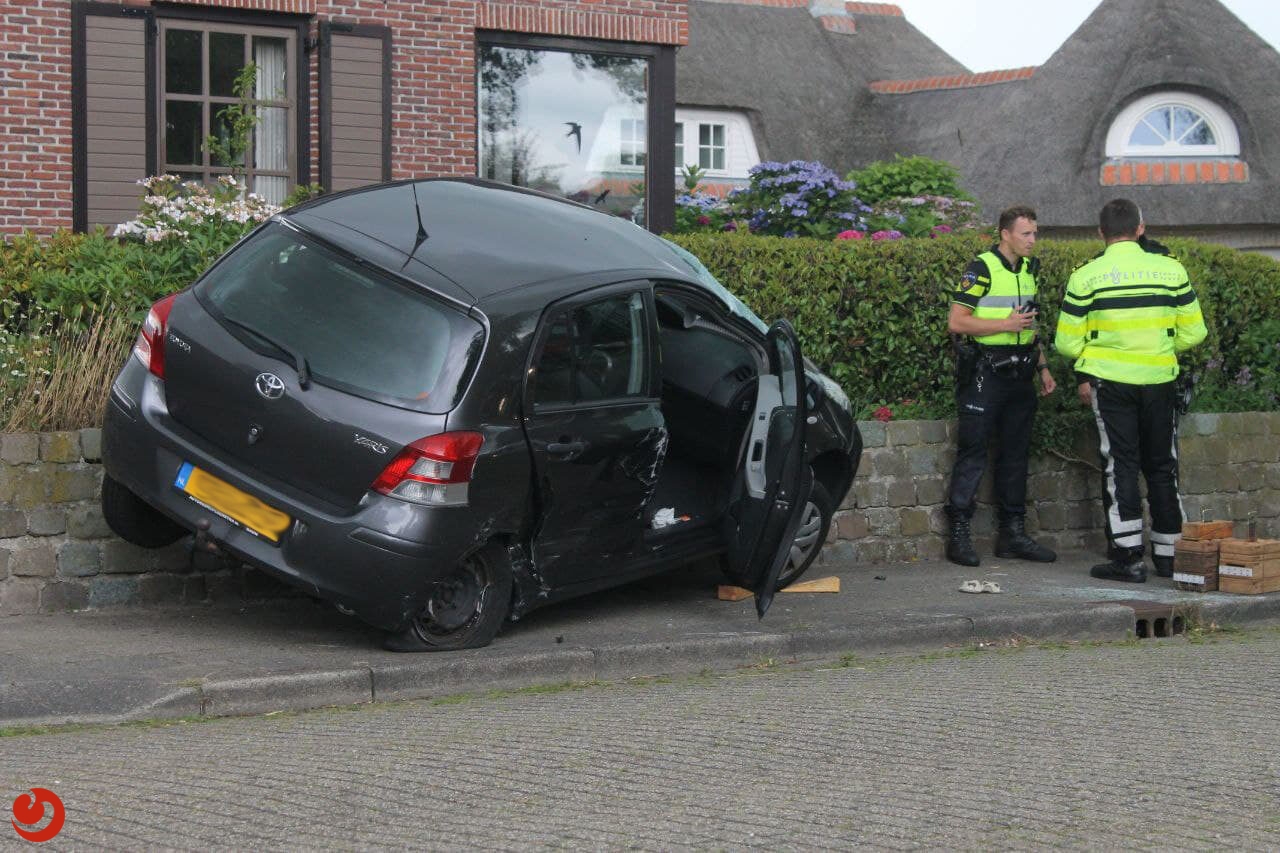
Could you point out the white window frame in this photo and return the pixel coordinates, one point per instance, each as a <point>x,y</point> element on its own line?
<point>1226,137</point>
<point>633,144</point>
<point>740,151</point>
<point>710,148</point>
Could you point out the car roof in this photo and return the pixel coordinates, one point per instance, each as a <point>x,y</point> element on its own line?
<point>484,237</point>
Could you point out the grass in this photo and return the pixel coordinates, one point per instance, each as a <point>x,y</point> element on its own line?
<point>60,380</point>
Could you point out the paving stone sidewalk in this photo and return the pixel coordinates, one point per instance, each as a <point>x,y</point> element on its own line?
<point>292,654</point>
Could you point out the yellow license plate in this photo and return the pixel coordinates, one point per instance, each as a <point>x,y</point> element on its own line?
<point>231,503</point>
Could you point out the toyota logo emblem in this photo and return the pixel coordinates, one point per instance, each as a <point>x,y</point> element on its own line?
<point>270,386</point>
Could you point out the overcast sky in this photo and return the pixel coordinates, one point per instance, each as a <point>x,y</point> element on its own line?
<point>1027,33</point>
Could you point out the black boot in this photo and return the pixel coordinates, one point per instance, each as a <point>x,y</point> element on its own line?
<point>1122,567</point>
<point>1163,565</point>
<point>960,545</point>
<point>1013,541</point>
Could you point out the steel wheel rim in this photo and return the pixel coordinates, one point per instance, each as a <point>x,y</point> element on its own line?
<point>457,601</point>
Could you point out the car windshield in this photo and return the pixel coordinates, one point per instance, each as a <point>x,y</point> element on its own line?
<point>704,276</point>
<point>355,328</point>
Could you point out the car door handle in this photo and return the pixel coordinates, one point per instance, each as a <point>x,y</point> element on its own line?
<point>566,448</point>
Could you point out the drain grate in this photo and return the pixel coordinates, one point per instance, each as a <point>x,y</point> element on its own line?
<point>1152,618</point>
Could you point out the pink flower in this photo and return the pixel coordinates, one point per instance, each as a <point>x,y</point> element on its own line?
<point>704,220</point>
<point>850,235</point>
<point>883,414</point>
<point>942,229</point>
<point>881,235</point>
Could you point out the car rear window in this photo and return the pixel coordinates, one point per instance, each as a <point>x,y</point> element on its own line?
<point>359,330</point>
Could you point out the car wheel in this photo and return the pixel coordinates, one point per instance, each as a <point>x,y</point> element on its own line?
<point>136,521</point>
<point>464,609</point>
<point>815,521</point>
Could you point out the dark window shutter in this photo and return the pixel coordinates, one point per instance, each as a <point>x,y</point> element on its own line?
<point>113,121</point>
<point>355,105</point>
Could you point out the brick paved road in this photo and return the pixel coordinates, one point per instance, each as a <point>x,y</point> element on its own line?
<point>1152,744</point>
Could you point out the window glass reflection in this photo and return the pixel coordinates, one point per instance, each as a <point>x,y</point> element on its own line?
<point>567,123</point>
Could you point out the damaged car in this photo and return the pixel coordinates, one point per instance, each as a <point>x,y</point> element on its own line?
<point>439,404</point>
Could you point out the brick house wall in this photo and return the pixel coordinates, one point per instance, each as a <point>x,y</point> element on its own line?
<point>433,84</point>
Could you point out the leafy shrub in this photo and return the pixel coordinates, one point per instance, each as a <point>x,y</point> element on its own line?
<point>191,210</point>
<point>799,198</point>
<point>907,177</point>
<point>806,199</point>
<point>181,229</point>
<point>924,216</point>
<point>697,211</point>
<point>306,192</point>
<point>57,291</point>
<point>872,314</point>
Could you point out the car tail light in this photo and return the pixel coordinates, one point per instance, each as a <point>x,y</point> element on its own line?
<point>435,470</point>
<point>149,347</point>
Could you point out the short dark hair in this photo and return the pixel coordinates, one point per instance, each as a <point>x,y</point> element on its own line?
<point>1013,214</point>
<point>1119,218</point>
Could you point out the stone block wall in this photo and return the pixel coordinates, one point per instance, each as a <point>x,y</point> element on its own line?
<point>1230,469</point>
<point>56,552</point>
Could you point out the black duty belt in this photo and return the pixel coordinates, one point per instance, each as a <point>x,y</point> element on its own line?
<point>1011,360</point>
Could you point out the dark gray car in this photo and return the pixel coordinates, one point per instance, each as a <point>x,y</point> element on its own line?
<point>439,404</point>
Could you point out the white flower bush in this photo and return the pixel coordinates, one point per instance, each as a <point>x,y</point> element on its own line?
<point>173,207</point>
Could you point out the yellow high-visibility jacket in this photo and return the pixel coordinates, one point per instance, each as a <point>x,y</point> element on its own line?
<point>994,290</point>
<point>1127,314</point>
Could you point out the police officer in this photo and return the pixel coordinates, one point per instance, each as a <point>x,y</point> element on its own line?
<point>998,353</point>
<point>1126,315</point>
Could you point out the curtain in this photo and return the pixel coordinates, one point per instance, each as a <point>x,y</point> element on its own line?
<point>271,137</point>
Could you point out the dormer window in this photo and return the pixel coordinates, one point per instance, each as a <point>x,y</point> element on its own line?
<point>1173,124</point>
<point>719,142</point>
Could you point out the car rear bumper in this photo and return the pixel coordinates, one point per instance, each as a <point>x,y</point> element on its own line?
<point>376,560</point>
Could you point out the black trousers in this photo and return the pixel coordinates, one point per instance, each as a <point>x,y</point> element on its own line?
<point>992,406</point>
<point>1138,431</point>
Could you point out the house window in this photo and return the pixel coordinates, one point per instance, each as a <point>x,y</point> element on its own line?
<point>559,121</point>
<point>200,64</point>
<point>1172,124</point>
<point>711,146</point>
<point>680,164</point>
<point>633,142</point>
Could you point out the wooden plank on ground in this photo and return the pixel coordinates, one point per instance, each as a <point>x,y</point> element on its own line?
<point>827,584</point>
<point>728,592</point>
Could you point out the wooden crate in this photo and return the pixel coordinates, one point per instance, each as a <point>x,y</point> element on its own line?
<point>1201,530</point>
<point>1249,567</point>
<point>1195,565</point>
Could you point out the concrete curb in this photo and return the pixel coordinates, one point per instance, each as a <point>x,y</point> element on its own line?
<point>296,691</point>
<point>442,675</point>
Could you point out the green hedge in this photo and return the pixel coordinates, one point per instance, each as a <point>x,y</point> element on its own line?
<point>873,314</point>
<point>74,277</point>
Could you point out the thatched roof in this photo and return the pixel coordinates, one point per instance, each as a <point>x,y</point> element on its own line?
<point>1038,138</point>
<point>804,86</point>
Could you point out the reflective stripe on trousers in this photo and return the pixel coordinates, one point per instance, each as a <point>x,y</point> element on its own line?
<point>1137,431</point>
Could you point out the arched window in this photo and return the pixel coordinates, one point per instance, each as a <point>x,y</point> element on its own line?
<point>1173,124</point>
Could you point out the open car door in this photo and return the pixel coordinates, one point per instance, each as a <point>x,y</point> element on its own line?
<point>774,481</point>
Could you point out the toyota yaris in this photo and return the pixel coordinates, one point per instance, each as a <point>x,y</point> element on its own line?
<point>440,404</point>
